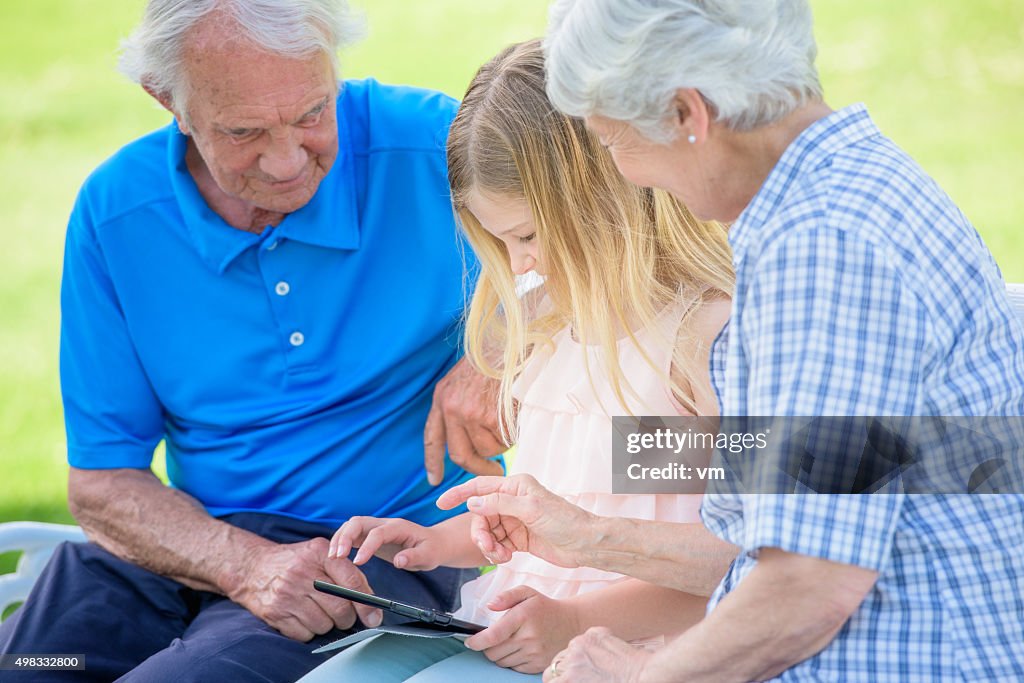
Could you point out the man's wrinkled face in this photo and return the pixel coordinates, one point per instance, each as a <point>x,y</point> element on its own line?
<point>263,124</point>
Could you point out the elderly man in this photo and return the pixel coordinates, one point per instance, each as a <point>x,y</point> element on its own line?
<point>861,290</point>
<point>272,284</point>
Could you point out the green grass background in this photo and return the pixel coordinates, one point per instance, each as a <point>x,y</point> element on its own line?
<point>944,78</point>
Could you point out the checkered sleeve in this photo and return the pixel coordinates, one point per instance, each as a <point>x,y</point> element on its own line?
<point>855,529</point>
<point>831,331</point>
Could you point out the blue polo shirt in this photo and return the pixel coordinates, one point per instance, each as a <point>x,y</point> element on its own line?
<point>290,372</point>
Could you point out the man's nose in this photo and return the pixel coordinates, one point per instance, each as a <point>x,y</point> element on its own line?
<point>285,157</point>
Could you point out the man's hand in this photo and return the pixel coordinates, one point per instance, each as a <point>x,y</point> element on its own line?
<point>464,415</point>
<point>405,544</point>
<point>518,514</point>
<point>597,657</point>
<point>532,631</point>
<point>276,585</point>
<point>136,517</point>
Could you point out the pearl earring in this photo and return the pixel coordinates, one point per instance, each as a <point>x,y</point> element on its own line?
<point>691,139</point>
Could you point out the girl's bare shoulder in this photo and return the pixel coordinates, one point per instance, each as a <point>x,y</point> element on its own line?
<point>708,320</point>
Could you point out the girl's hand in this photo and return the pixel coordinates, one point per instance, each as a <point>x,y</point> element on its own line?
<point>530,633</point>
<point>598,657</point>
<point>405,544</point>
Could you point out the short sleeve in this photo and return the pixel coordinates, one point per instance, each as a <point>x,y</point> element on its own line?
<point>112,417</point>
<point>856,529</point>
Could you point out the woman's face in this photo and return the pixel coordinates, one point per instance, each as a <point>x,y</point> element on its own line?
<point>674,166</point>
<point>511,221</point>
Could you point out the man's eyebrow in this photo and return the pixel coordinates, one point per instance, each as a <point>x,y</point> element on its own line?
<point>319,107</point>
<point>316,109</point>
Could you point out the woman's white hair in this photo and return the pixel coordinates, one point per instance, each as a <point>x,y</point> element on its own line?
<point>751,60</point>
<point>153,55</point>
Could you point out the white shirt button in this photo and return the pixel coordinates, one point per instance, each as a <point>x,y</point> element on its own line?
<point>297,339</point>
<point>282,288</point>
<point>272,246</point>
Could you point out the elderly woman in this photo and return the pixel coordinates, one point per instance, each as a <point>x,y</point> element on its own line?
<point>861,289</point>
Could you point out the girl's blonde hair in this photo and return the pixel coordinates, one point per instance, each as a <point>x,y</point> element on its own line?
<point>614,254</point>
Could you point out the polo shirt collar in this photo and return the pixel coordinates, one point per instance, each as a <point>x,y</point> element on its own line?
<point>821,140</point>
<point>330,219</point>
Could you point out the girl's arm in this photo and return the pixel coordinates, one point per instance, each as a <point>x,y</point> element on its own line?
<point>637,610</point>
<point>408,545</point>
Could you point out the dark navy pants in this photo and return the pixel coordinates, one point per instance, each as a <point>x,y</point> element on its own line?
<point>133,625</point>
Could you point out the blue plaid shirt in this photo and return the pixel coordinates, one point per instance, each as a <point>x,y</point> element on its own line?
<point>861,289</point>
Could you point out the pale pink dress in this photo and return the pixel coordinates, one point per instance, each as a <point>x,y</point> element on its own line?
<point>565,441</point>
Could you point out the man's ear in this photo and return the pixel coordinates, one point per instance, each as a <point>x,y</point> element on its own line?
<point>164,98</point>
<point>692,115</point>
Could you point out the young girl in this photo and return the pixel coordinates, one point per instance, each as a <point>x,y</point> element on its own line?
<point>634,291</point>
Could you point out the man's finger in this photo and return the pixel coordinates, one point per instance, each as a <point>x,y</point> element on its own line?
<point>460,447</point>
<point>291,627</point>
<point>486,442</point>
<point>370,616</point>
<point>327,612</point>
<point>349,576</point>
<point>487,467</point>
<point>434,439</point>
<point>488,445</point>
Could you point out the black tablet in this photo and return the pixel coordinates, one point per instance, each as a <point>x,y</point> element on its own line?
<point>429,616</point>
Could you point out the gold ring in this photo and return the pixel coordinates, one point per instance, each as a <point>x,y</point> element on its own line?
<point>554,668</point>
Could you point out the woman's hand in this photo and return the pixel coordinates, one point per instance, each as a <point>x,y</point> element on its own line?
<point>405,544</point>
<point>532,631</point>
<point>597,657</point>
<point>518,514</point>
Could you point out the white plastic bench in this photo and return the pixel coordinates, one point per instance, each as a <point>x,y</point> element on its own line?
<point>37,541</point>
<point>1016,293</point>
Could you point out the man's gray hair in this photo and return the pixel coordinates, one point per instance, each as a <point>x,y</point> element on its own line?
<point>153,55</point>
<point>751,60</point>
